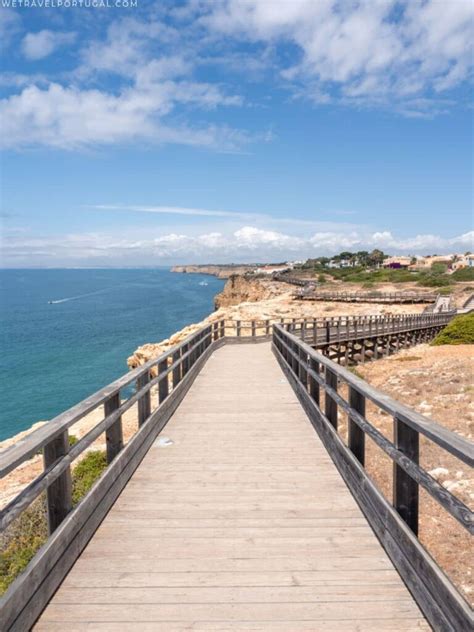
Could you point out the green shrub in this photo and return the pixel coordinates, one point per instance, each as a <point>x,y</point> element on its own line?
<point>321,278</point>
<point>460,331</point>
<point>464,274</point>
<point>22,539</point>
<point>435,280</point>
<point>382,275</point>
<point>86,473</point>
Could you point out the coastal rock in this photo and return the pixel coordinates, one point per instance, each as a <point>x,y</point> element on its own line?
<point>239,289</point>
<point>220,271</point>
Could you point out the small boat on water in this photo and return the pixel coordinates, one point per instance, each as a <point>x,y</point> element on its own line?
<point>203,283</point>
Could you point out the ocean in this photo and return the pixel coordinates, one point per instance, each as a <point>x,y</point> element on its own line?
<point>67,333</point>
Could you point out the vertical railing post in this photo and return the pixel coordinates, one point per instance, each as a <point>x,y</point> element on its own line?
<point>330,408</point>
<point>144,403</point>
<point>238,329</point>
<point>185,361</point>
<point>267,327</point>
<point>114,433</point>
<point>59,494</point>
<point>215,332</point>
<point>313,383</point>
<point>222,331</point>
<point>328,331</point>
<point>355,434</point>
<point>163,386</point>
<point>177,368</point>
<point>302,371</point>
<point>253,325</point>
<point>405,489</point>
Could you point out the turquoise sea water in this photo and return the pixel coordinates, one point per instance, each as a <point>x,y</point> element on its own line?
<point>55,354</point>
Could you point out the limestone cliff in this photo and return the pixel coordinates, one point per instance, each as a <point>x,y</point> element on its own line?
<point>221,271</point>
<point>239,289</point>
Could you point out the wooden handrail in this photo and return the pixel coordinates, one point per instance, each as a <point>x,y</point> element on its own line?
<point>395,522</point>
<point>457,445</point>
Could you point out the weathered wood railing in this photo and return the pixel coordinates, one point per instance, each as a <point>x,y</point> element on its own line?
<point>292,280</point>
<point>171,375</point>
<point>366,297</point>
<point>317,382</point>
<point>324,331</point>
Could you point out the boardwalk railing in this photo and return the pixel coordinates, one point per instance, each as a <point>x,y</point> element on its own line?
<point>292,280</point>
<point>348,339</point>
<point>70,528</point>
<point>158,388</point>
<point>317,382</point>
<point>366,297</point>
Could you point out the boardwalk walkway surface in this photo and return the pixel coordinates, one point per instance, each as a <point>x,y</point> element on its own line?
<point>243,523</point>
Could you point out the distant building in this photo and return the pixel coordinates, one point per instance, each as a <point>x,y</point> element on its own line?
<point>343,263</point>
<point>425,263</point>
<point>397,263</point>
<point>463,261</point>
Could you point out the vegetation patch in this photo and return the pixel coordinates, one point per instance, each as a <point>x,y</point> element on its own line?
<point>22,539</point>
<point>86,473</point>
<point>464,274</point>
<point>460,331</point>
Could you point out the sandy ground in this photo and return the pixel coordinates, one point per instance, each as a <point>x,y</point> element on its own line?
<point>438,383</point>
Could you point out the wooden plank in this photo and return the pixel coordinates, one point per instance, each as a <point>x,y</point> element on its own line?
<point>27,596</point>
<point>242,521</point>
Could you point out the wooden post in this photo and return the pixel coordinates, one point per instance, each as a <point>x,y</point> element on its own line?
<point>330,405</point>
<point>113,434</point>
<point>405,489</point>
<point>302,372</point>
<point>313,384</point>
<point>355,434</point>
<point>163,383</point>
<point>315,331</point>
<point>267,327</point>
<point>144,403</point>
<point>59,494</point>
<point>328,331</point>
<point>238,328</point>
<point>177,369</point>
<point>185,362</point>
<point>253,329</point>
<point>222,332</point>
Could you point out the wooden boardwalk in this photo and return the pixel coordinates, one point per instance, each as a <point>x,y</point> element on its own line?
<point>242,523</point>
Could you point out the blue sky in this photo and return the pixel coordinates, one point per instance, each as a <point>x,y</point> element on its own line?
<point>234,130</point>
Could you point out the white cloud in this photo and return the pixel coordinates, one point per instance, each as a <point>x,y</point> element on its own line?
<point>173,210</point>
<point>41,44</point>
<point>247,243</point>
<point>368,52</point>
<point>71,118</point>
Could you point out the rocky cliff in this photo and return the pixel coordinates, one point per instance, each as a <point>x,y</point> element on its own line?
<point>239,289</point>
<point>220,271</point>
